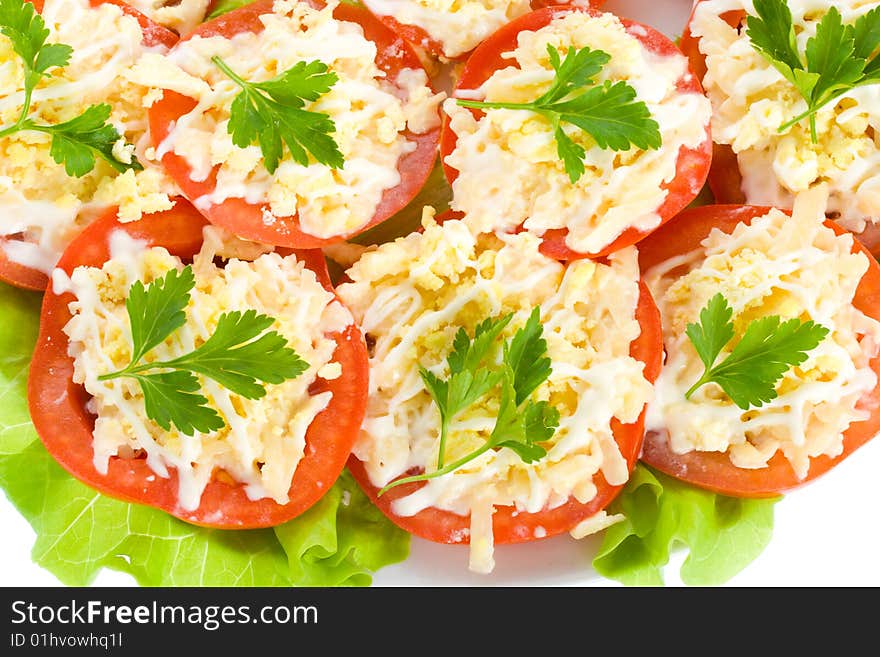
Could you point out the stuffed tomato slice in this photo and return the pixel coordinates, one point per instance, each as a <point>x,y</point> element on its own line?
<point>44,205</point>
<point>583,128</point>
<point>295,124</point>
<point>764,153</point>
<point>791,305</point>
<point>208,447</point>
<point>506,389</point>
<point>451,30</point>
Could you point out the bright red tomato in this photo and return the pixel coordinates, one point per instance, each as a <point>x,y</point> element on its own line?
<point>509,525</point>
<point>58,405</point>
<point>724,179</point>
<point>713,470</point>
<point>154,35</point>
<point>246,219</point>
<point>692,165</point>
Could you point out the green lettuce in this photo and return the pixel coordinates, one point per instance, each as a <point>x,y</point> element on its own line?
<point>80,531</point>
<point>723,534</point>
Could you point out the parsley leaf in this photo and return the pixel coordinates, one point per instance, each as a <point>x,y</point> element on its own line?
<point>768,349</point>
<point>837,57</point>
<point>609,112</point>
<point>271,115</point>
<point>239,353</point>
<point>172,398</point>
<point>75,143</point>
<point>468,381</point>
<point>156,311</point>
<point>521,422</point>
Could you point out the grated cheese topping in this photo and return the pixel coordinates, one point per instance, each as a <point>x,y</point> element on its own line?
<point>182,16</point>
<point>411,296</point>
<point>791,267</point>
<point>510,171</point>
<point>42,207</point>
<point>371,114</point>
<point>264,439</point>
<point>751,99</point>
<point>458,25</point>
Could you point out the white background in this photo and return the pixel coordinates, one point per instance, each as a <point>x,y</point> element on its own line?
<point>827,533</point>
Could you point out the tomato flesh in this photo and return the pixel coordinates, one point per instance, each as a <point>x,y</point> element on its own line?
<point>58,405</point>
<point>510,525</point>
<point>246,219</point>
<point>692,165</point>
<point>714,470</point>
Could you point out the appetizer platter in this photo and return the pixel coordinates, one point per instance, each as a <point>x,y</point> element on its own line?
<point>329,293</point>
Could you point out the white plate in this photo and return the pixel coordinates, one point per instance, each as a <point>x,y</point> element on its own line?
<point>827,533</point>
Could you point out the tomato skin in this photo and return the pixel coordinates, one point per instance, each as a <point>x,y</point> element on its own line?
<point>154,35</point>
<point>692,165</point>
<point>725,179</point>
<point>509,525</point>
<point>58,405</point>
<point>713,470</point>
<point>246,220</point>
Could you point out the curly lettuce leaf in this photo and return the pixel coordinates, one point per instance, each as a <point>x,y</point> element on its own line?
<point>723,534</point>
<point>342,539</point>
<point>80,531</point>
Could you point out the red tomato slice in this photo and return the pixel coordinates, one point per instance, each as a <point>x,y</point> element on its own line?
<point>419,38</point>
<point>724,178</point>
<point>714,470</point>
<point>154,35</point>
<point>58,405</point>
<point>509,525</point>
<point>692,165</point>
<point>245,219</point>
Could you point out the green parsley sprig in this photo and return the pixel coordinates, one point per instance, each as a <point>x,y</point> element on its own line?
<point>521,423</point>
<point>768,349</point>
<point>609,112</point>
<point>271,115</point>
<point>237,355</point>
<point>76,143</point>
<point>837,59</point>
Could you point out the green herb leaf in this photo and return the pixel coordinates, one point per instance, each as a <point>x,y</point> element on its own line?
<point>527,357</point>
<point>723,534</point>
<point>767,350</point>
<point>77,143</point>
<point>171,398</point>
<point>521,423</point>
<point>609,113</point>
<point>236,360</point>
<point>714,330</point>
<point>270,114</point>
<point>26,29</point>
<point>157,311</point>
<point>838,57</point>
<point>237,355</point>
<point>867,40</point>
<point>772,34</point>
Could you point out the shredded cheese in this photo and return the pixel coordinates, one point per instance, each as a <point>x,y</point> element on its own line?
<point>791,267</point>
<point>510,171</point>
<point>182,16</point>
<point>371,115</point>
<point>751,99</point>
<point>42,207</point>
<point>411,296</point>
<point>264,439</point>
<point>457,25</point>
